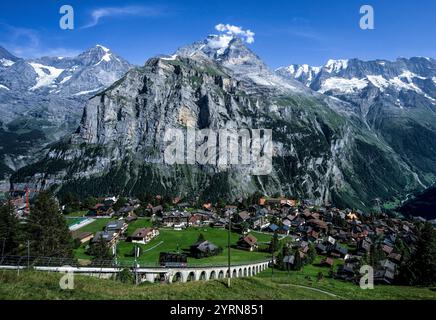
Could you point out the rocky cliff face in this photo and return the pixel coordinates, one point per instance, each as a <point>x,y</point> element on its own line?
<point>322,150</point>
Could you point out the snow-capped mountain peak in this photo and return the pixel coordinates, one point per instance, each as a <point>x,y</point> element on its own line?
<point>7,59</point>
<point>303,73</point>
<point>232,52</point>
<point>398,83</point>
<point>336,65</point>
<point>96,68</point>
<point>57,79</point>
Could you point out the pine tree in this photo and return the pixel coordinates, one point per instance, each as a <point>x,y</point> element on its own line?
<point>10,231</point>
<point>119,204</point>
<point>311,254</point>
<point>298,263</point>
<point>100,251</point>
<point>47,229</point>
<point>274,244</point>
<point>420,269</point>
<point>90,202</point>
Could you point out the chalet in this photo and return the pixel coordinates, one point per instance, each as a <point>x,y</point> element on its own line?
<point>388,265</point>
<point>249,242</point>
<point>110,238</point>
<point>143,235</point>
<point>242,216</point>
<point>284,230</point>
<point>230,208</point>
<point>262,212</point>
<point>346,272</point>
<point>319,225</point>
<point>272,228</point>
<point>395,257</point>
<point>195,220</point>
<point>258,222</point>
<point>327,262</point>
<point>287,222</point>
<point>384,276</point>
<point>312,235</point>
<point>387,249</point>
<point>125,211</point>
<point>321,248</point>
<point>117,226</point>
<point>363,246</point>
<point>220,223</point>
<point>338,250</point>
<point>174,218</point>
<point>101,210</point>
<point>203,249</point>
<point>156,210</point>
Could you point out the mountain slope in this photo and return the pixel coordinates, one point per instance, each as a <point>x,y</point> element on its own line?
<point>321,150</point>
<point>396,99</point>
<point>42,99</point>
<point>423,205</point>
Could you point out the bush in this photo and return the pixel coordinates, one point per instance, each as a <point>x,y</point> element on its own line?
<point>125,276</point>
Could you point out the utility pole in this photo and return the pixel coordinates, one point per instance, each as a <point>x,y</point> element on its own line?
<point>272,261</point>
<point>114,252</point>
<point>228,246</point>
<point>136,264</point>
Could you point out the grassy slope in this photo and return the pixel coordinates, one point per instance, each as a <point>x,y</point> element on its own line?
<point>168,240</point>
<point>33,285</point>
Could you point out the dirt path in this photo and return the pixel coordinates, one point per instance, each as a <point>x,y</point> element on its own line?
<point>313,289</point>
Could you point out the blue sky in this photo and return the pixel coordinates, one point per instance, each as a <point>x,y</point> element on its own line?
<point>291,31</point>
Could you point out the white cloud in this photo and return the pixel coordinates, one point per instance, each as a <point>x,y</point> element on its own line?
<point>142,11</point>
<point>246,35</point>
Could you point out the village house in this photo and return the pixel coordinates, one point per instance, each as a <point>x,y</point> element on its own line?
<point>176,218</point>
<point>203,249</point>
<point>258,222</point>
<point>110,238</point>
<point>101,210</point>
<point>131,218</point>
<point>125,211</point>
<point>157,210</point>
<point>363,246</point>
<point>242,216</point>
<point>220,223</point>
<point>116,226</point>
<point>143,235</point>
<point>346,272</point>
<point>327,262</point>
<point>248,242</point>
